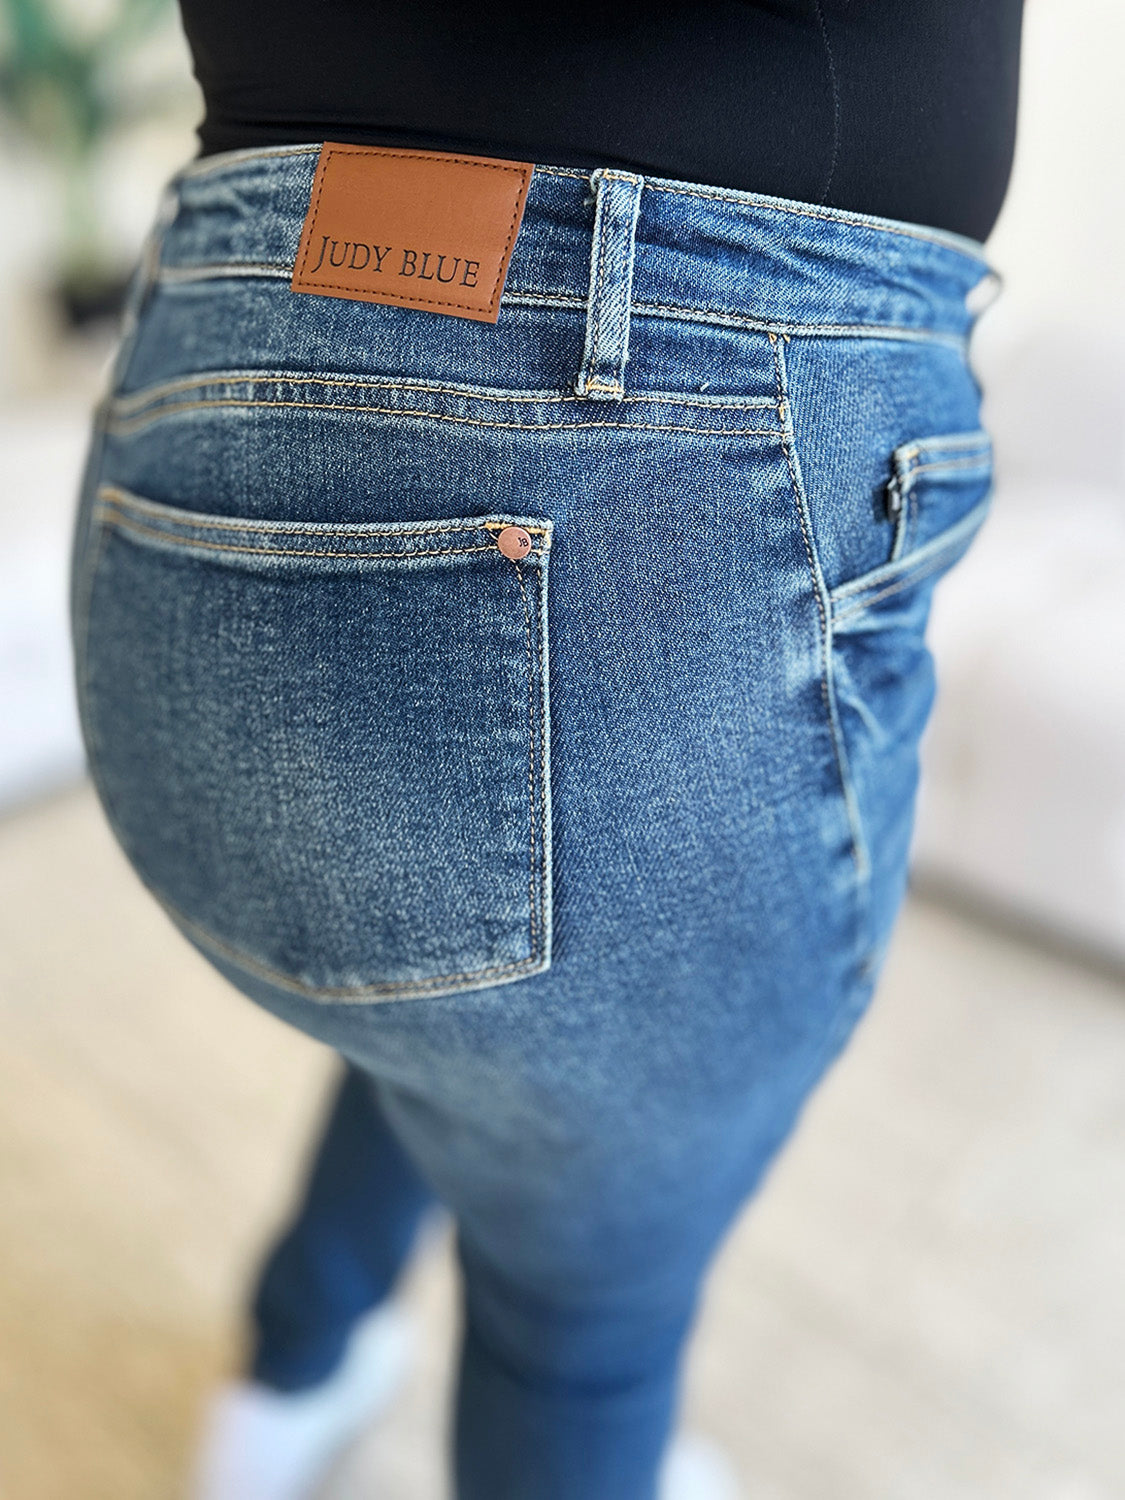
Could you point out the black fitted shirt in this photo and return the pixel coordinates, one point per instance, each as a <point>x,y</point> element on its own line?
<point>904,108</point>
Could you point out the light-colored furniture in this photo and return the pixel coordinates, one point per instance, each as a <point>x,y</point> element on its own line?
<point>1023,791</point>
<point>42,446</point>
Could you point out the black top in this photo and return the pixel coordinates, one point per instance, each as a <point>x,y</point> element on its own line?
<point>898,107</point>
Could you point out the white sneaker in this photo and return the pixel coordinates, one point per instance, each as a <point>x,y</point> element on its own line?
<point>262,1444</point>
<point>697,1469</point>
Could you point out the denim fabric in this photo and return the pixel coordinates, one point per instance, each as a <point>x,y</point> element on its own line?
<point>357,1215</point>
<point>586,861</point>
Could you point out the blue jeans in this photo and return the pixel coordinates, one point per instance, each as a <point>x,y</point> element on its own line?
<point>584,861</point>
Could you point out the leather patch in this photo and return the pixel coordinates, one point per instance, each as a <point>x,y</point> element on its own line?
<point>425,229</point>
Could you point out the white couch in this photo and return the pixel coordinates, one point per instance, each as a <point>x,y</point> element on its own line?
<point>1023,794</point>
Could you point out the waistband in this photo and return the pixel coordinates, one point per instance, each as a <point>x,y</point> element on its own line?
<point>697,252</point>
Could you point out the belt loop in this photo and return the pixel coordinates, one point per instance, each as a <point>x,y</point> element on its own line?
<point>611,284</point>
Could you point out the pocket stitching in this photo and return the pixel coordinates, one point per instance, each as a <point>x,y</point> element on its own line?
<point>230,547</point>
<point>110,496</point>
<point>909,568</point>
<point>968,451</point>
<point>856,834</point>
<point>532,895</point>
<point>136,401</point>
<point>970,461</point>
<point>124,425</point>
<point>391,988</point>
<point>845,616</point>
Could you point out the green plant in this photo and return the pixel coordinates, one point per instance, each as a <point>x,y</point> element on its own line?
<point>64,91</point>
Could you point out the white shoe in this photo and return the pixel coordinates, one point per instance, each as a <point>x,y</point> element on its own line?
<point>697,1469</point>
<point>262,1444</point>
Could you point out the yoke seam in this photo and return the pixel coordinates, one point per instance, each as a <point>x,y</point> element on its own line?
<point>124,424</point>
<point>137,400</point>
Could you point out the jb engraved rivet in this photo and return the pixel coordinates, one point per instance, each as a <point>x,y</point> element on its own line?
<point>514,542</point>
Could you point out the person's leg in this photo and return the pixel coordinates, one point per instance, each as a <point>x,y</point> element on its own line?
<point>345,1244</point>
<point>329,1346</point>
<point>576,1320</point>
<point>583,1387</point>
<point>592,1169</point>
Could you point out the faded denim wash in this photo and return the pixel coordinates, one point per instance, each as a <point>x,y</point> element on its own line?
<point>586,862</point>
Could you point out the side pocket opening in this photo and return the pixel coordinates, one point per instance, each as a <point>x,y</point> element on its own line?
<point>882,668</point>
<point>326,748</point>
<point>920,470</point>
<point>937,497</point>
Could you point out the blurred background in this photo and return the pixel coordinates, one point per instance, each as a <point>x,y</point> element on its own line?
<point>928,1298</point>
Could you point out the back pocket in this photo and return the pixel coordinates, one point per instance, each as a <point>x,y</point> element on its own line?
<point>326,748</point>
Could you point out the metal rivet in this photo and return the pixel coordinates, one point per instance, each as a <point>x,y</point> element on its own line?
<point>514,542</point>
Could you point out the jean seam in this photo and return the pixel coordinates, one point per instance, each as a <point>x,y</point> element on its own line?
<point>538,623</point>
<point>531,896</point>
<point>848,598</point>
<point>908,579</point>
<point>940,465</point>
<point>147,274</point>
<point>109,495</point>
<point>171,539</point>
<point>136,401</point>
<point>860,857</point>
<point>725,317</point>
<point>95,548</point>
<point>134,424</point>
<point>388,990</point>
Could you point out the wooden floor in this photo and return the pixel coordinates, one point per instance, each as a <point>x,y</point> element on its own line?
<point>927,1302</point>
